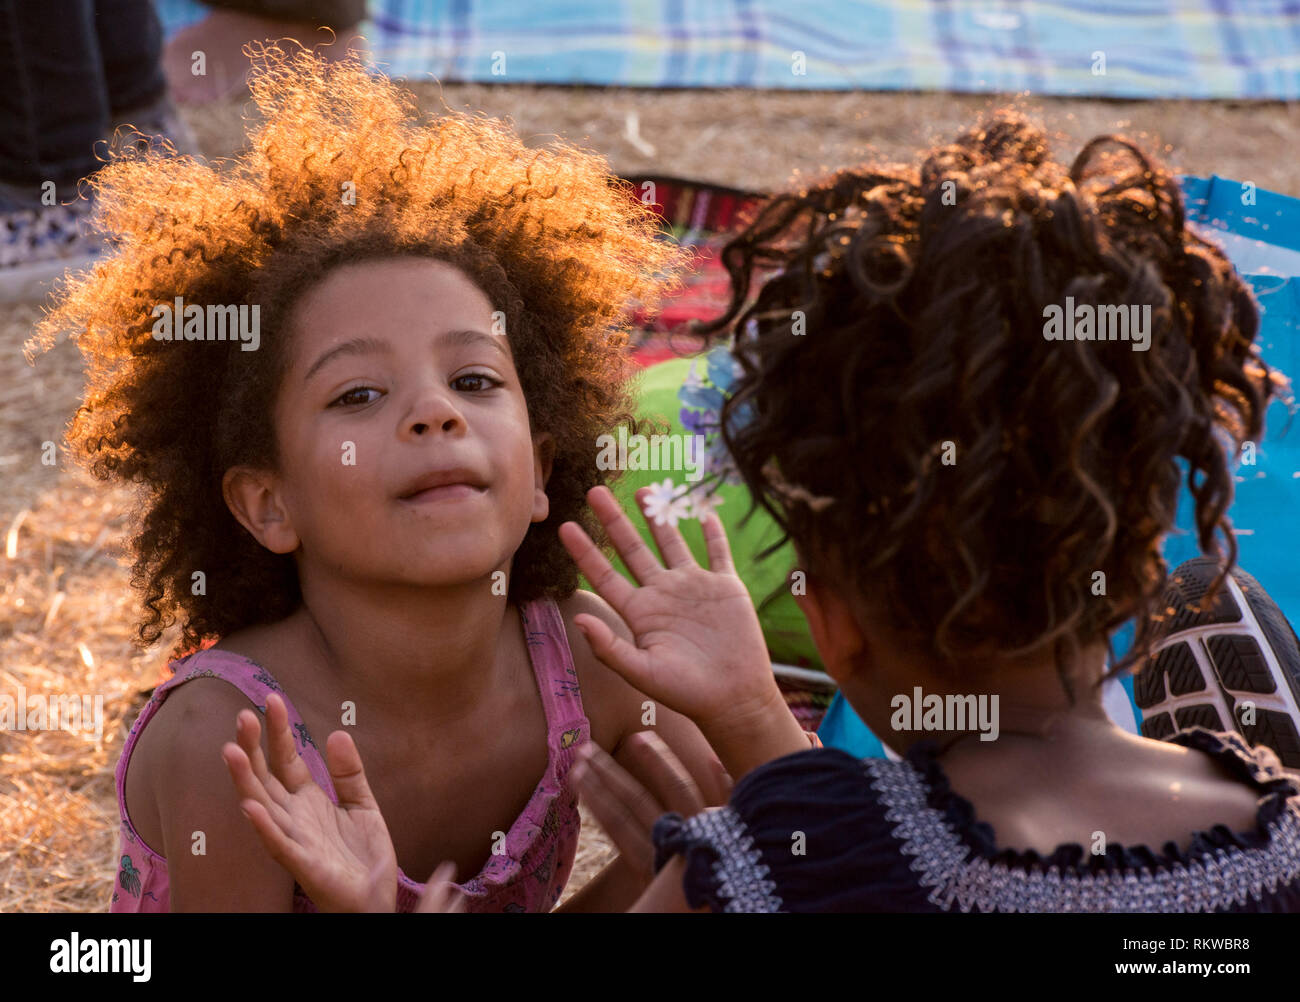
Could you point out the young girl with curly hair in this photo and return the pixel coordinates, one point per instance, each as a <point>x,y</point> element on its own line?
<point>351,507</point>
<point>978,502</point>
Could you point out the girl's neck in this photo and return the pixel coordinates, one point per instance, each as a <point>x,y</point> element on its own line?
<point>431,654</point>
<point>1016,701</point>
<point>1033,727</point>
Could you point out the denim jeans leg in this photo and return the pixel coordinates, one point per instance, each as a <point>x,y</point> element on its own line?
<point>53,102</point>
<point>130,43</point>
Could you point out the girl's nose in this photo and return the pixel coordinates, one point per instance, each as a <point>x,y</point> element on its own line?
<point>435,409</point>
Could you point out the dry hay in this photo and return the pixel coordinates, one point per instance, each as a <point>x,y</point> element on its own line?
<point>65,605</point>
<point>764,140</point>
<point>65,615</point>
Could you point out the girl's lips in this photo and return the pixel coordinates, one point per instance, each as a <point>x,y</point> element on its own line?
<point>447,492</point>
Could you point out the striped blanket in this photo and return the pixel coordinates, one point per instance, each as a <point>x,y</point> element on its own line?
<point>1105,48</point>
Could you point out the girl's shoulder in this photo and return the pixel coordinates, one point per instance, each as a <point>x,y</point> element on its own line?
<point>171,749</point>
<point>823,831</point>
<point>193,708</point>
<point>252,661</point>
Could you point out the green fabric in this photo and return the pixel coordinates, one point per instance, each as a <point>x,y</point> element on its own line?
<point>784,626</point>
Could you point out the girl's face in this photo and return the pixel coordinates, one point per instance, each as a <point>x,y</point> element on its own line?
<point>406,453</point>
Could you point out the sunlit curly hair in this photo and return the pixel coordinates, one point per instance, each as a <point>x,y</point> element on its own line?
<point>553,240</point>
<point>923,443</point>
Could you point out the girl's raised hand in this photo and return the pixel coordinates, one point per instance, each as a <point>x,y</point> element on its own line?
<point>699,647</point>
<point>341,855</point>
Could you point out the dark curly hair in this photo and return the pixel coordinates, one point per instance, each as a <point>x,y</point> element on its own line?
<point>923,442</point>
<point>553,240</point>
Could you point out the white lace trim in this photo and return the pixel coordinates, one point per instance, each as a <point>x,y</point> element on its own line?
<point>740,871</point>
<point>959,877</point>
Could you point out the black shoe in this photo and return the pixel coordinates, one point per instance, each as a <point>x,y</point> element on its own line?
<point>1232,665</point>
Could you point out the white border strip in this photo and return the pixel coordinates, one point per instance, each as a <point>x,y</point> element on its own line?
<point>803,675</point>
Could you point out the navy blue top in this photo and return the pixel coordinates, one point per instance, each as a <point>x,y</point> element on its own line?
<point>822,831</point>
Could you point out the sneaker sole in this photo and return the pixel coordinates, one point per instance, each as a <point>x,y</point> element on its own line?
<point>1235,660</point>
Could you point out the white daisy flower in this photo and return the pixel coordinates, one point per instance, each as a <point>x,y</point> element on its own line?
<point>703,502</point>
<point>667,504</point>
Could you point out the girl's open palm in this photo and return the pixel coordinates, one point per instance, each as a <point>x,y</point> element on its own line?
<point>699,647</point>
<point>341,855</point>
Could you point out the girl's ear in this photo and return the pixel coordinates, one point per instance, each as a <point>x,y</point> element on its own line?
<point>251,497</point>
<point>835,631</point>
<point>543,458</point>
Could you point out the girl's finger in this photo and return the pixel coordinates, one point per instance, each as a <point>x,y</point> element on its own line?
<point>715,541</point>
<point>722,782</point>
<point>609,583</point>
<point>279,845</point>
<point>249,787</point>
<point>286,764</point>
<point>623,827</point>
<point>628,543</point>
<point>248,733</point>
<point>671,545</point>
<point>640,804</point>
<point>653,763</point>
<point>346,771</point>
<point>441,893</point>
<point>625,658</point>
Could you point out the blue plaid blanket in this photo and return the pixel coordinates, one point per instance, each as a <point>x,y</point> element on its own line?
<point>1104,48</point>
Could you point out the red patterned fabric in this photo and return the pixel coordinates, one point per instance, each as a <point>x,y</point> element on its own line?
<point>701,216</point>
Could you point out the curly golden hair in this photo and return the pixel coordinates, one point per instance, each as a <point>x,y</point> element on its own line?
<point>553,240</point>
<point>924,443</point>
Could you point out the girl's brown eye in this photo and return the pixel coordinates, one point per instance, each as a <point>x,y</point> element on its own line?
<point>349,398</point>
<point>482,380</point>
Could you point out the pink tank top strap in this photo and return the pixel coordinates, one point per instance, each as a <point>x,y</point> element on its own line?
<point>557,678</point>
